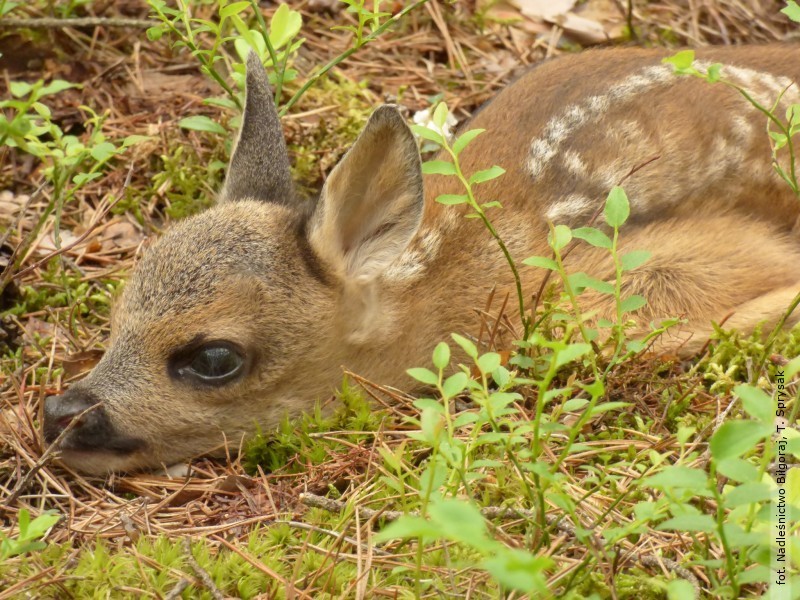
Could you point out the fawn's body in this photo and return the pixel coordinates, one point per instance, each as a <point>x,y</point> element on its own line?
<point>250,310</point>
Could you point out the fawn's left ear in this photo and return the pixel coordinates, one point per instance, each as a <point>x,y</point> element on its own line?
<point>259,167</point>
<point>371,204</point>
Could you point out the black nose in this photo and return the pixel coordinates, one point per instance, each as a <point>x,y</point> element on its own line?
<point>92,431</point>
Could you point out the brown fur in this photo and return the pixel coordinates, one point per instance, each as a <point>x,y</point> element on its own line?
<point>365,283</point>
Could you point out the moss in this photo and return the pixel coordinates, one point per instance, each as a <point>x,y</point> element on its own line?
<point>634,585</point>
<point>318,150</point>
<point>293,438</point>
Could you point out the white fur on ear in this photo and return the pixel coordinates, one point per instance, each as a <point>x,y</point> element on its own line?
<point>371,204</point>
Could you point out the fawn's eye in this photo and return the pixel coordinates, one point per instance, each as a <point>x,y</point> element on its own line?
<point>213,364</point>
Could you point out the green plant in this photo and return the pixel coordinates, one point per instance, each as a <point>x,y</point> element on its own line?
<point>29,538</point>
<point>275,46</point>
<point>68,163</point>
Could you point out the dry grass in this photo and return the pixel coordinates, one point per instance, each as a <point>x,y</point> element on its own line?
<point>146,88</point>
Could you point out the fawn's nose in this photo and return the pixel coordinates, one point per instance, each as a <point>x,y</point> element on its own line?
<point>61,411</point>
<point>90,427</point>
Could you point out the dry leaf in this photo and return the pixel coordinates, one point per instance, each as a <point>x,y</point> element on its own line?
<point>121,235</point>
<point>81,362</point>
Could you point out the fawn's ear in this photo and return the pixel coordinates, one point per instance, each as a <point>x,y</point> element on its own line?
<point>259,167</point>
<point>371,204</point>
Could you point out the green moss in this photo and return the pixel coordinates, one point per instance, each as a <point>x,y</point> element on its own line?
<point>294,438</point>
<point>62,287</point>
<point>634,585</point>
<point>319,149</point>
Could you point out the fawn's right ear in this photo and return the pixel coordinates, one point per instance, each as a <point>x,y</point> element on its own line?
<point>259,167</point>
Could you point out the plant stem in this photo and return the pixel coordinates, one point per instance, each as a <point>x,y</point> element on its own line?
<point>337,60</point>
<point>488,224</point>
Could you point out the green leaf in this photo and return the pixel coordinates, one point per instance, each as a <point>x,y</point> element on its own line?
<point>634,259</point>
<point>734,438</point>
<point>438,167</point>
<point>133,139</point>
<point>441,355</point>
<point>427,133</point>
<point>680,589</point>
<point>19,88</point>
<point>714,73</point>
<point>780,139</point>
<point>608,406</point>
<point>702,523</point>
<point>793,487</point>
<point>455,384</point>
<point>560,236</point>
<point>617,208</point>
<point>519,570</point>
<point>427,404</point>
<point>460,521</point>
<point>466,345</point>
<point>56,86</point>
<point>756,402</point>
<point>678,477</point>
<point>284,25</point>
<point>39,526</point>
<point>406,527</point>
<point>793,368</point>
<point>425,376</point>
<point>593,236</point>
<point>747,493</point>
<point>738,469</point>
<point>486,175</point>
<point>154,33</point>
<point>571,353</point>
<point>203,123</point>
<point>83,178</point>
<point>541,262</point>
<point>7,7</point>
<point>488,362</point>
<point>103,151</point>
<point>632,303</point>
<point>792,10</point>
<point>574,404</point>
<point>440,115</point>
<point>233,9</point>
<point>464,139</point>
<point>451,199</point>
<point>682,60</point>
<point>580,281</point>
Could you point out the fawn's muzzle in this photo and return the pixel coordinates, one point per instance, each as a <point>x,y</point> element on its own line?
<point>90,429</point>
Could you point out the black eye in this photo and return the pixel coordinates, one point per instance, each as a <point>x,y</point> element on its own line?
<point>213,364</point>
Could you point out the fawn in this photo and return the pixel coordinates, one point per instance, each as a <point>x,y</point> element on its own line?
<point>249,311</point>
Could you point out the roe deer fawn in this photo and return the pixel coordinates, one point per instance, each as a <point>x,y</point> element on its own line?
<point>250,310</point>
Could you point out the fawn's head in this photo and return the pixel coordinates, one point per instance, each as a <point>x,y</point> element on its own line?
<point>246,312</point>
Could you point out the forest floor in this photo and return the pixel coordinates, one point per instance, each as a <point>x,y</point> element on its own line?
<point>255,526</point>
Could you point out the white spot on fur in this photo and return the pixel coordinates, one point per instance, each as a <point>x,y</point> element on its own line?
<point>413,262</point>
<point>742,129</point>
<point>574,163</point>
<point>406,268</point>
<point>559,128</point>
<point>562,126</point>
<point>572,205</point>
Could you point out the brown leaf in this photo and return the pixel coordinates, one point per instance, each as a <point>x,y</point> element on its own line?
<point>81,362</point>
<point>121,235</point>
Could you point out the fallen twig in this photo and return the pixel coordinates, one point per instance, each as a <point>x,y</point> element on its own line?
<point>201,572</point>
<point>53,23</point>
